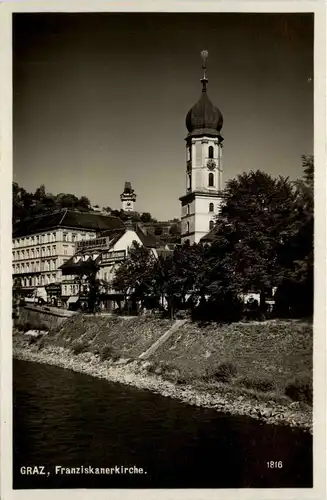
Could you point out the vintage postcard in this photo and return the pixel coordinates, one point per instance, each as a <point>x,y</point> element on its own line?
<point>163,250</point>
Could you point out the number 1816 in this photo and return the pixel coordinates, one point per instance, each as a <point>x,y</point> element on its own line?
<point>275,465</point>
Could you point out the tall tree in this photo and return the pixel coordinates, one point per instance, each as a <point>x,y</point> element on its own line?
<point>296,256</point>
<point>255,220</point>
<point>135,274</point>
<point>40,202</point>
<point>93,285</point>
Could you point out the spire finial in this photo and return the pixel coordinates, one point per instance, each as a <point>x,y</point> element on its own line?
<point>204,80</point>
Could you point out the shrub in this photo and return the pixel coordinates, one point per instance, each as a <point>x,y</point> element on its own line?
<point>106,352</point>
<point>300,390</point>
<point>32,340</point>
<point>26,327</point>
<point>225,371</point>
<point>43,327</point>
<point>41,343</point>
<point>262,385</point>
<point>226,309</point>
<point>79,347</point>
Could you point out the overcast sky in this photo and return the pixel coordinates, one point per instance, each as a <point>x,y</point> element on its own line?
<point>100,99</point>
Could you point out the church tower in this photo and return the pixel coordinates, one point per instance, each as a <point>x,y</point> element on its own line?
<point>201,203</point>
<point>128,198</point>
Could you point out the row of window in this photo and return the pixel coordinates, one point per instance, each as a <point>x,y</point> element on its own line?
<point>34,240</point>
<point>49,238</point>
<point>45,279</point>
<point>38,252</point>
<point>33,267</point>
<point>34,252</point>
<point>211,208</point>
<point>210,152</point>
<point>70,289</point>
<point>211,225</point>
<point>211,181</point>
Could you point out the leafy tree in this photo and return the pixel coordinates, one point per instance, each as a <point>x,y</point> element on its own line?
<point>93,285</point>
<point>135,274</point>
<point>40,193</point>
<point>296,256</point>
<point>20,207</point>
<point>255,221</point>
<point>107,209</point>
<point>67,200</point>
<point>40,202</point>
<point>84,204</point>
<point>176,276</point>
<point>146,217</point>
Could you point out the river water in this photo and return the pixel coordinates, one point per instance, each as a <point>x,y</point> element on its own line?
<point>63,418</point>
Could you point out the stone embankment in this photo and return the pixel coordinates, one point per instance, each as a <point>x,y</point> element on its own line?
<point>134,372</point>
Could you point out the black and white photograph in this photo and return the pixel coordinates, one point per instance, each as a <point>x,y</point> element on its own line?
<point>163,257</point>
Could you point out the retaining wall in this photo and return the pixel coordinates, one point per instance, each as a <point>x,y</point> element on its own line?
<point>39,318</point>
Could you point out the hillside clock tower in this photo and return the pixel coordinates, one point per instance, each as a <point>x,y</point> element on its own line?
<point>128,198</point>
<point>201,203</point>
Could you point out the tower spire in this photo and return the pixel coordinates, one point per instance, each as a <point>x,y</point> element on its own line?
<point>204,80</point>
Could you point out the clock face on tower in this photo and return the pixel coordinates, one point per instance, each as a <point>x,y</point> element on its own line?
<point>128,203</point>
<point>211,164</point>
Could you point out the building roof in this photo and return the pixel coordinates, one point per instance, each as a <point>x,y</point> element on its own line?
<point>73,267</point>
<point>148,240</point>
<point>80,267</point>
<point>128,187</point>
<point>210,236</point>
<point>66,218</point>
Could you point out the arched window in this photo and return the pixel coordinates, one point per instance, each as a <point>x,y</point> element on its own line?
<point>211,179</point>
<point>189,181</point>
<point>187,227</point>
<point>188,209</point>
<point>211,208</point>
<point>211,224</point>
<point>210,151</point>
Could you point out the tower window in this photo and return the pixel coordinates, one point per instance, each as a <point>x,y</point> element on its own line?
<point>210,151</point>
<point>211,179</point>
<point>187,227</point>
<point>211,224</point>
<point>189,181</point>
<point>188,209</point>
<point>211,208</point>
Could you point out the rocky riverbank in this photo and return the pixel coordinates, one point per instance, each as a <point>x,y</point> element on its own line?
<point>135,373</point>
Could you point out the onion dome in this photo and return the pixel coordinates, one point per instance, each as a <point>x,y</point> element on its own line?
<point>204,117</point>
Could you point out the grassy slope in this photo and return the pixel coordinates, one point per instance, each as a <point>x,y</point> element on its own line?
<point>256,358</point>
<point>124,337</point>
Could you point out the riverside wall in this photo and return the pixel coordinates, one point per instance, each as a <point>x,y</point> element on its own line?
<point>41,318</point>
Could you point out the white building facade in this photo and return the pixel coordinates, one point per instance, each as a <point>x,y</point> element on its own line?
<point>41,245</point>
<point>108,251</point>
<point>204,169</point>
<point>37,257</point>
